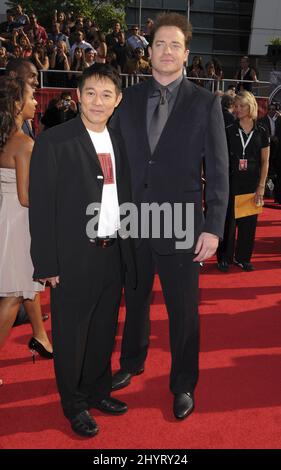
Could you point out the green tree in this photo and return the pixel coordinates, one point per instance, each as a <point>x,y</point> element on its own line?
<point>102,11</point>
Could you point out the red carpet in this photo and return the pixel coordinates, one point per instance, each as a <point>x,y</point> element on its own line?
<point>238,398</point>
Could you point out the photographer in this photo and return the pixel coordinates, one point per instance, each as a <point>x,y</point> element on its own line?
<point>59,60</point>
<point>39,57</point>
<point>24,43</point>
<point>59,110</point>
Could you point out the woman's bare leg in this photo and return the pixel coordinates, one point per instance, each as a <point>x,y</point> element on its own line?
<point>8,311</point>
<point>33,310</point>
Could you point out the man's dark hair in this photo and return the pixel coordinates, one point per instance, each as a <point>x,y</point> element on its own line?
<point>276,104</point>
<point>101,71</point>
<point>173,19</point>
<point>65,94</point>
<point>227,101</point>
<point>17,65</point>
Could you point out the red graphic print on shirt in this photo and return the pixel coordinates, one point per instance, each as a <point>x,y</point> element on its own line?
<point>107,167</point>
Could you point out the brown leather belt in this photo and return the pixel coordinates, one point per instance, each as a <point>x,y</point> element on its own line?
<point>103,242</point>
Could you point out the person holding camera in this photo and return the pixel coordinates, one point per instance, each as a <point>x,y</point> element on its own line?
<point>40,57</point>
<point>61,110</point>
<point>59,60</point>
<point>24,43</point>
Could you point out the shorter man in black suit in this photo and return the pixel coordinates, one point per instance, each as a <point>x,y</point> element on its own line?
<point>78,168</point>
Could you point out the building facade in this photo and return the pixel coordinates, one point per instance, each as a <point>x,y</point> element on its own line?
<point>3,8</point>
<point>221,28</point>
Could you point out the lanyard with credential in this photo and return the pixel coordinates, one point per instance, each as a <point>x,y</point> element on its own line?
<point>244,144</point>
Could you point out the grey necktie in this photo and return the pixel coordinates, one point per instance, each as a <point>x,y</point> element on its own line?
<point>159,119</point>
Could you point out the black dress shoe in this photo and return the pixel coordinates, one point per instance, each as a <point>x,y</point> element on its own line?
<point>84,425</point>
<point>122,378</point>
<point>223,266</point>
<point>183,405</point>
<point>110,406</point>
<point>246,266</point>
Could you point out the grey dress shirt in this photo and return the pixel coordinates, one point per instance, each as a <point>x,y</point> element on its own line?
<point>153,97</point>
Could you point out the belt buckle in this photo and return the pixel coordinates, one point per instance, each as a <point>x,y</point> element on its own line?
<point>104,243</point>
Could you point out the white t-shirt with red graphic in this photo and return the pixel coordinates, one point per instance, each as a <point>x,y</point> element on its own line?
<point>109,221</point>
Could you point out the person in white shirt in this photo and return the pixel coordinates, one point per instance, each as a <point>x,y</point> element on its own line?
<point>136,40</point>
<point>79,43</point>
<point>77,169</point>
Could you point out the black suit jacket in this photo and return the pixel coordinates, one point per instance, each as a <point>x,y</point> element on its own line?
<point>265,122</point>
<point>28,130</point>
<point>193,133</point>
<point>275,143</point>
<point>228,117</point>
<point>65,177</point>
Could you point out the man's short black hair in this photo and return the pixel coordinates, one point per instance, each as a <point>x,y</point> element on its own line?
<point>101,71</point>
<point>65,94</point>
<point>227,101</point>
<point>276,104</point>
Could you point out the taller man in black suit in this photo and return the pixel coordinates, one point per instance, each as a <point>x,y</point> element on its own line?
<point>75,167</point>
<point>168,169</point>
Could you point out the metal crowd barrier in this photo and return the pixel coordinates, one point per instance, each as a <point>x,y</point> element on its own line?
<point>61,79</point>
<point>53,82</point>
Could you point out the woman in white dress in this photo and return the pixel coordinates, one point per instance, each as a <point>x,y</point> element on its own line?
<point>17,104</point>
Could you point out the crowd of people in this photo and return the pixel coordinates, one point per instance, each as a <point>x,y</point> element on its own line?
<point>73,43</point>
<point>50,188</point>
<point>210,75</point>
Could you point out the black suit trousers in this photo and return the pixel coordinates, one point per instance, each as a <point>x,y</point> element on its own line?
<point>179,280</point>
<point>83,333</point>
<point>238,246</point>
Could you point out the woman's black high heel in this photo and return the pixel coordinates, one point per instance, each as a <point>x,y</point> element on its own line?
<point>35,346</point>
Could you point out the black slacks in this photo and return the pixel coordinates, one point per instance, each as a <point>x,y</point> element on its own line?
<point>179,280</point>
<point>277,188</point>
<point>83,328</point>
<point>242,248</point>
